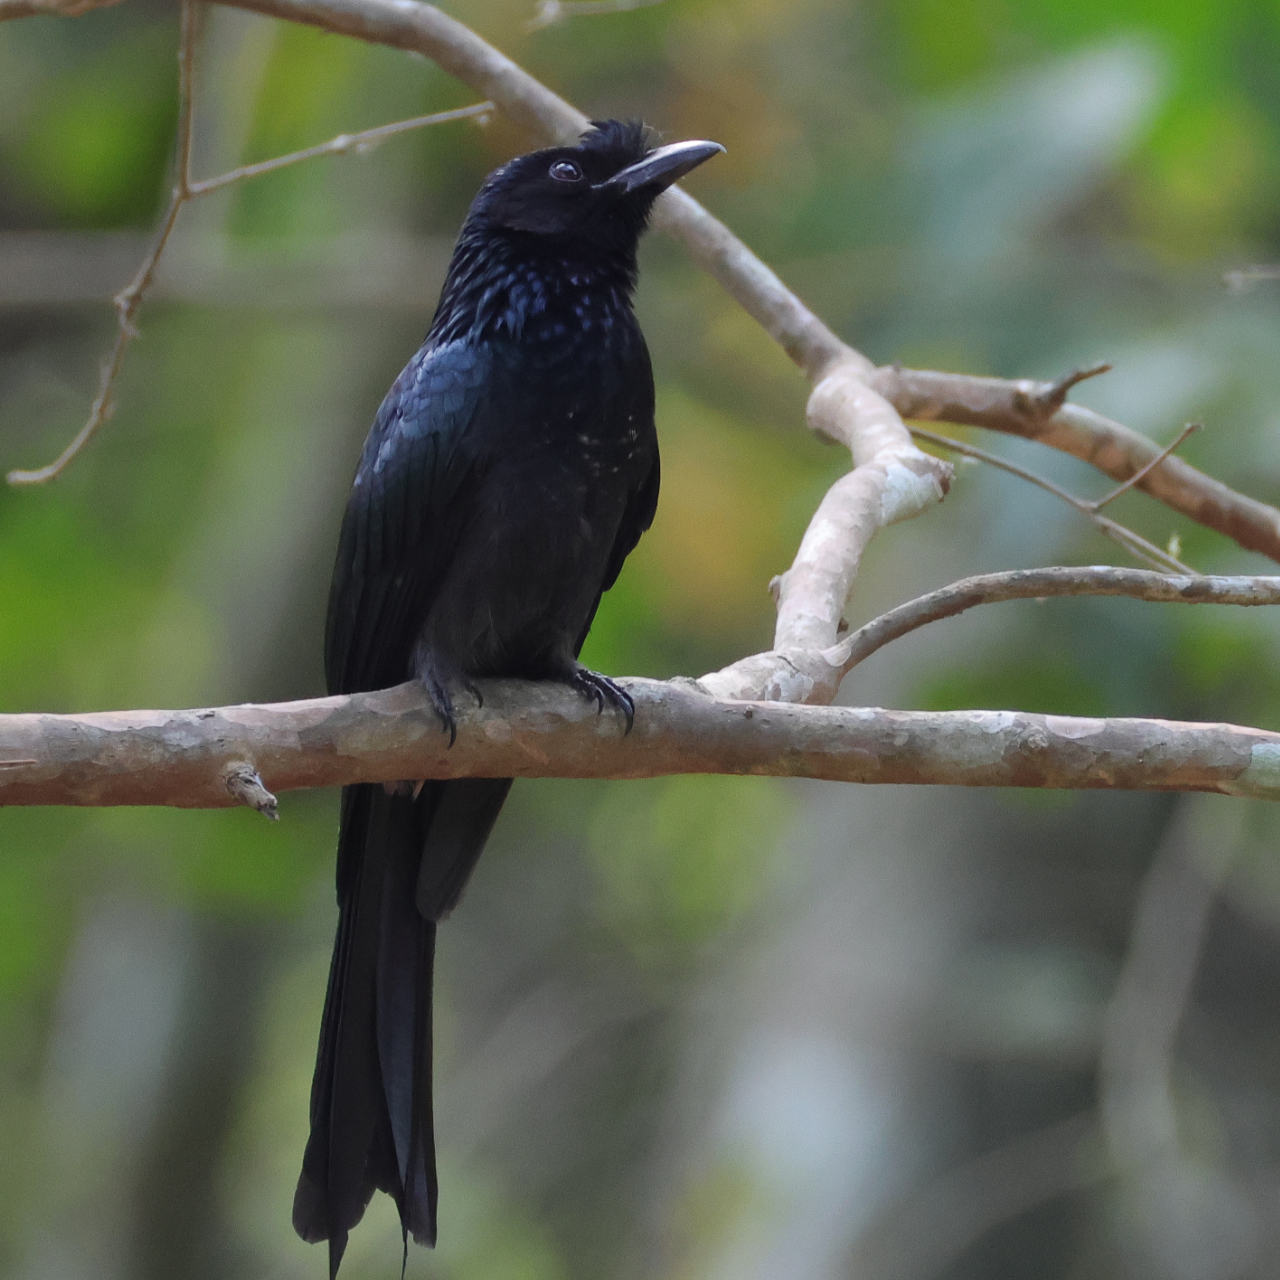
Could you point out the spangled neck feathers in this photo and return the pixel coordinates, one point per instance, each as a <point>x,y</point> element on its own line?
<point>517,285</point>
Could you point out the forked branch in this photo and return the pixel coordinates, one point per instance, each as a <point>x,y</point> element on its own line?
<point>185,188</point>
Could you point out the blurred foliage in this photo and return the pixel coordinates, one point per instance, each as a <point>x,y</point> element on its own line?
<point>975,184</point>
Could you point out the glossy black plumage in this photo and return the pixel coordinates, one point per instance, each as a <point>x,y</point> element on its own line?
<point>510,470</point>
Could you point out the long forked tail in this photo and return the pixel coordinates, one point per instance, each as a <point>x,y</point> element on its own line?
<point>402,866</point>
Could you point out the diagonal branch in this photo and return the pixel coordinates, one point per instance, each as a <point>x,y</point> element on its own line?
<point>1017,408</point>
<point>361,142</point>
<point>1147,468</point>
<point>1132,542</point>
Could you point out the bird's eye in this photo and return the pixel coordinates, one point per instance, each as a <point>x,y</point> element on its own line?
<point>566,171</point>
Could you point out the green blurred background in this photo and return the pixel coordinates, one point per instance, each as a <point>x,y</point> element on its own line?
<point>697,1027</point>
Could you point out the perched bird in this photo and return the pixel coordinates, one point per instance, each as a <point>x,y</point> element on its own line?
<point>510,470</point>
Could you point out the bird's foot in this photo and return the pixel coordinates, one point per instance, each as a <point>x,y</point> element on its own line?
<point>592,684</point>
<point>442,701</point>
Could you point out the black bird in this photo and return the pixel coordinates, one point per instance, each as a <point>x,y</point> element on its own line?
<point>510,471</point>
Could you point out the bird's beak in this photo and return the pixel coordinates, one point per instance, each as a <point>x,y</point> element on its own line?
<point>661,167</point>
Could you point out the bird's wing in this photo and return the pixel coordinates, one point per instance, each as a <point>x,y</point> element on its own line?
<point>636,518</point>
<point>404,516</point>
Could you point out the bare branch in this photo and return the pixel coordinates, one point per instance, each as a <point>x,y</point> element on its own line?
<point>1132,542</point>
<point>537,730</point>
<point>1117,451</point>
<point>1141,474</point>
<point>1039,584</point>
<point>1054,394</point>
<point>549,12</point>
<point>129,299</point>
<point>363,141</point>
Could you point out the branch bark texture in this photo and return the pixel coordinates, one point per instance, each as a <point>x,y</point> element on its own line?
<point>190,759</point>
<point>1022,408</point>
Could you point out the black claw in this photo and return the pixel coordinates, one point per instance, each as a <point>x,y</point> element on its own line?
<point>443,705</point>
<point>474,691</point>
<point>593,685</point>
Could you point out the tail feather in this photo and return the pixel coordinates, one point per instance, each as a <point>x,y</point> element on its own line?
<point>402,865</point>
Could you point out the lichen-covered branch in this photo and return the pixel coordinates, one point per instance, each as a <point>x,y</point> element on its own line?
<point>185,758</point>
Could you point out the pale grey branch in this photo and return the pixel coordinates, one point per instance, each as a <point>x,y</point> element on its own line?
<point>534,730</point>
<point>1033,584</point>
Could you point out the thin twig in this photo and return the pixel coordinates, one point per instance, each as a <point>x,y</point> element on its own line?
<point>1052,397</point>
<point>362,142</point>
<point>1036,584</point>
<point>1007,405</point>
<point>1132,542</point>
<point>129,299</point>
<point>550,12</point>
<point>1138,476</point>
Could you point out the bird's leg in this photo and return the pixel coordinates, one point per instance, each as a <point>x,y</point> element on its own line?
<point>436,675</point>
<point>593,685</point>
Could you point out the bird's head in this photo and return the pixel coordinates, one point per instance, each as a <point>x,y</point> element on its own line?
<point>599,192</point>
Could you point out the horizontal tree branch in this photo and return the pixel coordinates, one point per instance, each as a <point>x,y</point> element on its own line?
<point>205,759</point>
<point>1031,584</point>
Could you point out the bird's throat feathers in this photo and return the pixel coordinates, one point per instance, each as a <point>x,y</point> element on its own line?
<point>505,284</point>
